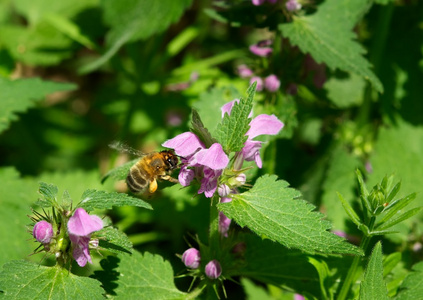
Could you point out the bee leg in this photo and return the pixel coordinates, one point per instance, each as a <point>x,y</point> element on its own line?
<point>169,178</point>
<point>153,186</point>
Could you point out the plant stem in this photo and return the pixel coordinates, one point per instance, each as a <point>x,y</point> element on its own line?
<point>214,235</point>
<point>352,272</point>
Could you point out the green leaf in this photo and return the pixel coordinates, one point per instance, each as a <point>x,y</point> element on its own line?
<point>231,131</point>
<point>393,221</point>
<point>350,211</point>
<point>136,20</point>
<point>329,38</point>
<point>69,28</point>
<point>199,130</point>
<point>17,195</point>
<point>93,199</point>
<point>373,286</point>
<point>254,291</point>
<point>114,240</point>
<point>25,280</point>
<point>346,92</point>
<point>412,286</point>
<point>18,95</point>
<point>121,172</point>
<point>396,206</point>
<point>274,264</point>
<point>49,193</point>
<point>140,276</point>
<point>273,210</point>
<point>322,269</point>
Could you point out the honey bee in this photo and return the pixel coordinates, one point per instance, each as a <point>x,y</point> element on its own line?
<point>150,168</point>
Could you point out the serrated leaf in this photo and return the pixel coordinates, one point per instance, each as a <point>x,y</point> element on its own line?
<point>140,276</point>
<point>412,286</point>
<point>114,240</point>
<point>136,20</point>
<point>49,193</point>
<point>199,130</point>
<point>231,131</point>
<point>396,206</point>
<point>273,210</point>
<point>120,172</point>
<point>373,286</point>
<point>18,95</point>
<point>328,36</point>
<point>93,199</point>
<point>24,280</point>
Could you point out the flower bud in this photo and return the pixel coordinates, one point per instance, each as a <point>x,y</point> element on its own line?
<point>213,269</point>
<point>191,258</point>
<point>259,81</point>
<point>43,232</point>
<point>292,5</point>
<point>272,83</point>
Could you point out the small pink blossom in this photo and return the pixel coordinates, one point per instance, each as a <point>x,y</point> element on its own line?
<point>272,83</point>
<point>80,227</point>
<point>293,5</point>
<point>260,2</point>
<point>224,221</point>
<point>244,71</point>
<point>43,232</point>
<point>191,258</point>
<point>213,269</point>
<point>184,144</point>
<point>261,48</point>
<point>259,81</point>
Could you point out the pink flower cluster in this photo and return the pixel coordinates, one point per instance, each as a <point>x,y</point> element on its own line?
<point>207,164</point>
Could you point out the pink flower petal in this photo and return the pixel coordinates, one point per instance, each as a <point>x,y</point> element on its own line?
<point>260,50</point>
<point>186,176</point>
<point>228,107</point>
<point>264,124</point>
<point>272,83</point>
<point>259,81</point>
<point>251,152</point>
<point>214,157</point>
<point>184,144</point>
<point>82,224</point>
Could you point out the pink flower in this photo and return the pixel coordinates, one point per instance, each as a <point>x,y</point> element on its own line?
<point>292,5</point>
<point>80,227</point>
<point>198,161</point>
<point>213,269</point>
<point>261,48</point>
<point>260,2</point>
<point>43,232</point>
<point>272,83</point>
<point>224,221</point>
<point>191,258</point>
<point>259,81</point>
<point>244,71</point>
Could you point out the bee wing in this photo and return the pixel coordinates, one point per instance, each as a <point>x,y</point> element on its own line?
<point>121,147</point>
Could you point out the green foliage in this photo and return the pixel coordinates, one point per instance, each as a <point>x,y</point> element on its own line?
<point>268,210</point>
<point>19,95</point>
<point>114,240</point>
<point>411,287</point>
<point>373,286</point>
<point>93,199</point>
<point>145,276</point>
<point>127,26</point>
<point>327,35</point>
<point>231,131</point>
<point>22,280</point>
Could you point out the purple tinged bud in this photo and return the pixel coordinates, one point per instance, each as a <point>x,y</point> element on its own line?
<point>191,258</point>
<point>223,190</point>
<point>259,81</point>
<point>298,297</point>
<point>244,71</point>
<point>43,232</point>
<point>293,5</point>
<point>272,83</point>
<point>213,269</point>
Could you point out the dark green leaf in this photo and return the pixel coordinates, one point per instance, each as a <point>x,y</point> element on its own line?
<point>273,210</point>
<point>121,172</point>
<point>199,130</point>
<point>412,287</point>
<point>114,240</point>
<point>24,280</point>
<point>93,199</point>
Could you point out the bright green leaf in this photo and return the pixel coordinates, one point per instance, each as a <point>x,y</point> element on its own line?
<point>25,280</point>
<point>93,199</point>
<point>329,38</point>
<point>48,193</point>
<point>273,210</point>
<point>140,276</point>
<point>373,286</point>
<point>231,131</point>
<point>19,95</point>
<point>113,240</point>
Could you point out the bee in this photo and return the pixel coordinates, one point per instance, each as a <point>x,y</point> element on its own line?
<point>150,168</point>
